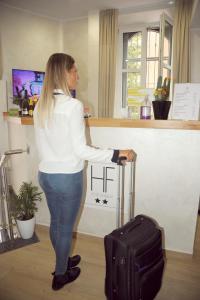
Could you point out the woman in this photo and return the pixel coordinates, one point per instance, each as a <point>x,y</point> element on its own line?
<point>60,139</point>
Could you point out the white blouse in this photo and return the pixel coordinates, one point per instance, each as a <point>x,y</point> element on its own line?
<point>62,144</point>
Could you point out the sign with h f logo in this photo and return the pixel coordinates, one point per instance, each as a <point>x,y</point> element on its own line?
<point>105,177</point>
<point>102,184</point>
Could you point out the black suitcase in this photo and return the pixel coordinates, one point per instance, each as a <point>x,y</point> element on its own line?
<point>134,257</point>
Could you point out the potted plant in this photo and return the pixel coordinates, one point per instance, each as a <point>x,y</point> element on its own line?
<point>161,104</point>
<point>23,208</point>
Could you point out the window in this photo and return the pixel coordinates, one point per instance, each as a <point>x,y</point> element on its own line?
<point>132,61</point>
<point>152,60</point>
<point>146,54</point>
<point>166,49</point>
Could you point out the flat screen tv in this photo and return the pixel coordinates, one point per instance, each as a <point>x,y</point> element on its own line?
<point>27,82</point>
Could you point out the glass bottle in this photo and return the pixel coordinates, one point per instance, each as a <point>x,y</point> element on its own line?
<point>25,104</point>
<point>145,109</point>
<point>30,111</point>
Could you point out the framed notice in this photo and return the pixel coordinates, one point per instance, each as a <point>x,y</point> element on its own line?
<point>186,101</point>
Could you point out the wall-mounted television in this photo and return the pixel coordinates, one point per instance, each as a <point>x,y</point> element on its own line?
<point>27,82</point>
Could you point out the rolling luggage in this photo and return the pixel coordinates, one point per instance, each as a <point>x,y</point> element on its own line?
<point>134,255</point>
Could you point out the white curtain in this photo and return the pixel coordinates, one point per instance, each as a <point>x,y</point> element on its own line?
<point>1,61</point>
<point>181,41</point>
<point>108,30</point>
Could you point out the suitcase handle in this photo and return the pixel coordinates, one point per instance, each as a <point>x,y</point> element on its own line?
<point>121,199</point>
<point>120,160</point>
<point>137,222</point>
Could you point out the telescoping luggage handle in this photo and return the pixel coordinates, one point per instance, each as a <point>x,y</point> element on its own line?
<point>121,190</point>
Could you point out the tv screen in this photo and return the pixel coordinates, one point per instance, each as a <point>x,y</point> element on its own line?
<point>27,82</point>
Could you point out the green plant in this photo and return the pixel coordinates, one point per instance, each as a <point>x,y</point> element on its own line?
<point>23,206</point>
<point>163,88</point>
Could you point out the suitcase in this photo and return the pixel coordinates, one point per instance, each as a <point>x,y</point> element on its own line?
<point>134,255</point>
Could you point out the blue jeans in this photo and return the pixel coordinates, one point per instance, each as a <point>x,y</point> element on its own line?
<point>63,193</point>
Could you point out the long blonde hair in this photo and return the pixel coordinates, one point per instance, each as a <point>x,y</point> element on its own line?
<point>55,78</point>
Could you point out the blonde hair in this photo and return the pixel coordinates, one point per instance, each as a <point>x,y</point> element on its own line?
<point>55,78</point>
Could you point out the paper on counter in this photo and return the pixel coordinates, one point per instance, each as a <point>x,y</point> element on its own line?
<point>186,101</point>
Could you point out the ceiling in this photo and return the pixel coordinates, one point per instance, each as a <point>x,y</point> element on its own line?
<point>71,9</point>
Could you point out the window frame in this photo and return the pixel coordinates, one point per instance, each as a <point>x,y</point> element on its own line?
<point>164,18</point>
<point>122,30</point>
<point>143,28</point>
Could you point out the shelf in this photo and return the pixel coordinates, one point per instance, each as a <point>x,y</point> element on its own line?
<point>122,123</point>
<point>18,120</point>
<point>158,124</point>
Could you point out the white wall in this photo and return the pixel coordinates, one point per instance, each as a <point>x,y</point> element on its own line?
<point>81,40</point>
<point>27,41</point>
<point>3,124</point>
<point>147,17</point>
<point>75,43</point>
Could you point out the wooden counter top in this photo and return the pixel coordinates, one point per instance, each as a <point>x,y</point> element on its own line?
<point>18,120</point>
<point>122,123</point>
<point>159,124</point>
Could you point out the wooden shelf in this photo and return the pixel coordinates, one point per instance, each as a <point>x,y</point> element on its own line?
<point>122,123</point>
<point>159,124</point>
<point>18,120</point>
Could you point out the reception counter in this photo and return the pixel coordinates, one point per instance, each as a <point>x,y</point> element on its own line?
<point>167,173</point>
<point>109,122</point>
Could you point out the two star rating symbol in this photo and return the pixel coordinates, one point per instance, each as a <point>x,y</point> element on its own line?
<point>97,200</point>
<point>104,201</point>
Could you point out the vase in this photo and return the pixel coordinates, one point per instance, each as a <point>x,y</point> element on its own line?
<point>161,109</point>
<point>26,228</point>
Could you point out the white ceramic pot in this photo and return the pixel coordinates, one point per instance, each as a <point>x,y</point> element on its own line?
<point>26,228</point>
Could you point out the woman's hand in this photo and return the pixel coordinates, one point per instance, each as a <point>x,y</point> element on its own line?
<point>129,154</point>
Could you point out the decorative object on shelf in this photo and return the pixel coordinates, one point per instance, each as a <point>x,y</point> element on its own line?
<point>32,103</point>
<point>26,103</point>
<point>162,89</point>
<point>145,109</point>
<point>23,208</point>
<point>18,100</point>
<point>87,110</point>
<point>161,104</point>
<point>161,109</point>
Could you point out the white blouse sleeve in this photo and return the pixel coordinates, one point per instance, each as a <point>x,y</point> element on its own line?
<point>81,149</point>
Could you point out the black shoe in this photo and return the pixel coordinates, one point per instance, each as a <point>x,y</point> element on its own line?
<point>60,280</point>
<point>72,262</point>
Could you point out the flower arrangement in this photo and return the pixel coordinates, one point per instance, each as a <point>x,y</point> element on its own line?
<point>162,89</point>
